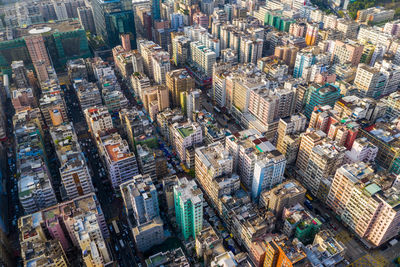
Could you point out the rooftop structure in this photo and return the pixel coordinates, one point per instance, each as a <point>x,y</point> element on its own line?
<point>120,161</point>
<point>286,194</point>
<point>84,228</point>
<point>169,259</point>
<point>60,36</point>
<point>140,198</point>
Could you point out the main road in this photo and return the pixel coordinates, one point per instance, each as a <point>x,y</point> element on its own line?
<point>110,204</point>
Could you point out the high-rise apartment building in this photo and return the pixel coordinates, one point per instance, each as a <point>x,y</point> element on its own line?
<point>134,123</point>
<point>284,195</point>
<point>85,15</point>
<point>146,161</point>
<point>348,27</point>
<point>20,74</point>
<point>193,99</point>
<point>323,160</point>
<point>88,94</point>
<point>137,62</point>
<point>74,171</point>
<point>37,49</point>
<point>156,62</point>
<point>214,171</point>
<point>178,81</point>
<point>156,9</point>
<point>45,236</point>
<point>268,172</point>
<point>250,50</point>
<point>139,83</point>
<point>220,71</point>
<point>281,251</point>
<point>120,161</point>
<point>362,150</point>
<point>382,135</point>
<point>365,203</point>
<point>303,60</point>
<point>155,99</point>
<point>161,66</point>
<point>343,132</point>
<point>368,82</point>
<point>246,148</point>
<point>327,94</point>
<point>188,199</point>
<point>390,75</point>
<point>308,141</point>
<point>98,119</point>
<point>140,198</point>
<point>347,52</point>
<point>202,57</point>
<point>268,105</point>
<point>312,33</point>
<point>288,139</point>
<point>113,18</point>
<point>186,135</point>
<point>180,50</point>
<point>148,234</point>
<point>35,190</point>
<point>143,21</point>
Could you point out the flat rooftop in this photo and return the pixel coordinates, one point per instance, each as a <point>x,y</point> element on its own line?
<point>48,28</point>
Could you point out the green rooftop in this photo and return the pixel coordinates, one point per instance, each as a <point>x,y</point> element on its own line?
<point>372,189</point>
<point>185,132</point>
<point>24,193</point>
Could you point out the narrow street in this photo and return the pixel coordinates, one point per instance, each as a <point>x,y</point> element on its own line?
<point>112,206</point>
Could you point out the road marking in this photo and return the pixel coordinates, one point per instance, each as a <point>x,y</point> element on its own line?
<point>376,260</point>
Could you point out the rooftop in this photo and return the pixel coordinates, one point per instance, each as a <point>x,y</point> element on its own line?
<point>189,191</point>
<point>48,28</point>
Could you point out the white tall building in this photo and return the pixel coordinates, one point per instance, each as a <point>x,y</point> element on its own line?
<point>391,75</point>
<point>362,150</point>
<point>98,119</point>
<point>323,160</point>
<point>203,58</point>
<point>198,33</point>
<point>268,172</point>
<point>186,135</point>
<point>193,103</point>
<point>367,81</point>
<point>139,83</point>
<point>161,65</point>
<point>246,148</point>
<point>140,198</point>
<point>220,70</point>
<point>250,50</point>
<point>120,161</point>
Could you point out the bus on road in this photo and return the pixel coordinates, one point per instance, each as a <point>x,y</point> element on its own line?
<point>116,229</point>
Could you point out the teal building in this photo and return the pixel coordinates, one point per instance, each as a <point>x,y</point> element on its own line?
<point>321,96</point>
<point>188,200</point>
<point>276,20</point>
